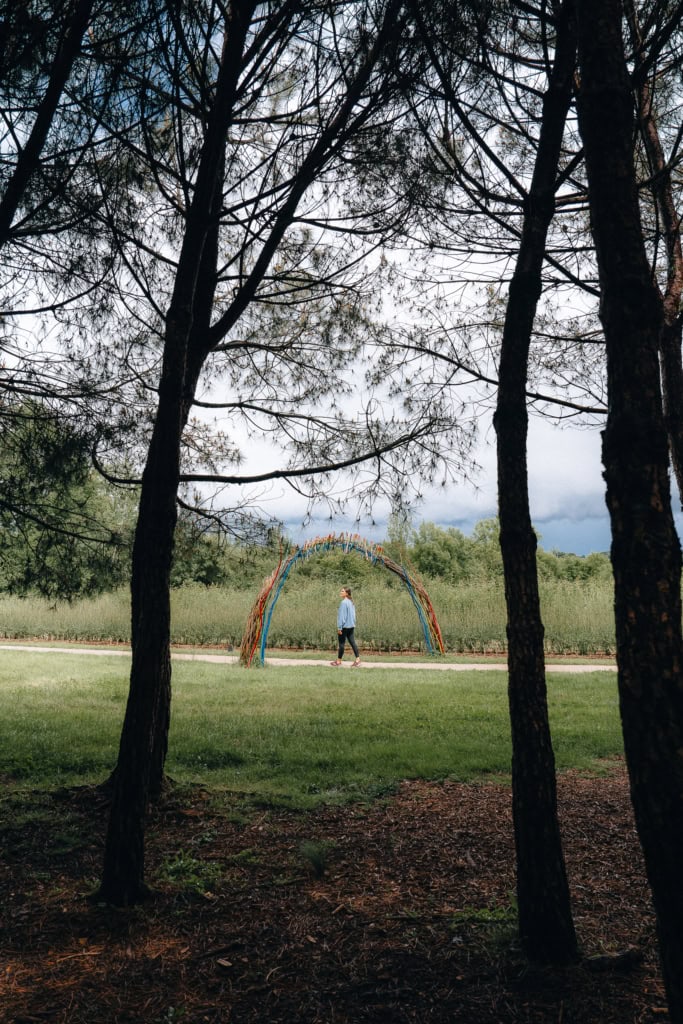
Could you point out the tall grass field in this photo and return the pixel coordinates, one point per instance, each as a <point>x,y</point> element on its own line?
<point>578,616</point>
<point>289,735</point>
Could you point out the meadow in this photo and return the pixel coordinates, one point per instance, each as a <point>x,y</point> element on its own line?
<point>290,735</point>
<point>331,836</point>
<point>578,616</point>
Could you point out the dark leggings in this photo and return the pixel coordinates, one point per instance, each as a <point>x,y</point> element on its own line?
<point>346,634</point>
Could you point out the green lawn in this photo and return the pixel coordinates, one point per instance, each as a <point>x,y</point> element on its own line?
<point>294,735</point>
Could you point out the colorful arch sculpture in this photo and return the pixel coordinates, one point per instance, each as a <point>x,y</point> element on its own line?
<point>258,622</point>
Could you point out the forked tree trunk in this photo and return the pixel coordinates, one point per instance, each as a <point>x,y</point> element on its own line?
<point>188,341</point>
<point>646,555</point>
<point>546,927</point>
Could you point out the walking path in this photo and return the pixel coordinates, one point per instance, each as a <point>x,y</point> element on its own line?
<point>231,659</point>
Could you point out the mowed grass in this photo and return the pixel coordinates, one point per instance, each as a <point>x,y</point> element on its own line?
<point>290,735</point>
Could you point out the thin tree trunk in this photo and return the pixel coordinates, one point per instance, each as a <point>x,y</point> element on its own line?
<point>646,555</point>
<point>671,368</point>
<point>28,159</point>
<point>545,920</point>
<point>196,356</point>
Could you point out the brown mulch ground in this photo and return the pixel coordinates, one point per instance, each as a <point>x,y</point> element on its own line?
<point>397,912</point>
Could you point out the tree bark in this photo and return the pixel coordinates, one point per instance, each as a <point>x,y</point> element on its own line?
<point>546,927</point>
<point>646,556</point>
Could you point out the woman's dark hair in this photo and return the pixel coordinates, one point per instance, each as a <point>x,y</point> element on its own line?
<point>347,591</point>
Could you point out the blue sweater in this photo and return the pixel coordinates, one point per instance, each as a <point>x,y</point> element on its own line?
<point>346,616</point>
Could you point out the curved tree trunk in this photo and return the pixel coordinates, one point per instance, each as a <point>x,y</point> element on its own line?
<point>545,921</point>
<point>646,555</point>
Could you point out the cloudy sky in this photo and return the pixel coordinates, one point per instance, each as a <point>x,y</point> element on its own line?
<point>566,492</point>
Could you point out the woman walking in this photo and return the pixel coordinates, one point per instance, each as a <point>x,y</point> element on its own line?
<point>346,624</point>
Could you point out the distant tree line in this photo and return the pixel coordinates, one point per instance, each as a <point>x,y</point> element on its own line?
<point>78,542</point>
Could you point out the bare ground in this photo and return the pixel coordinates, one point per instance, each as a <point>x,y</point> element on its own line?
<point>400,911</point>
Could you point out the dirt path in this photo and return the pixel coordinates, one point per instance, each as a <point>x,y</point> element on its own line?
<point>232,659</point>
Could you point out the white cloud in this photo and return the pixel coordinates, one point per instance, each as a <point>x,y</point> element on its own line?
<point>565,472</point>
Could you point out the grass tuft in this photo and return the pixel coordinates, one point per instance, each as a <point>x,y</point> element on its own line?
<point>316,856</point>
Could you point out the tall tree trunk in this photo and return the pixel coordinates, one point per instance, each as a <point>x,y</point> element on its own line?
<point>545,920</point>
<point>671,363</point>
<point>188,341</point>
<point>144,737</point>
<point>646,556</point>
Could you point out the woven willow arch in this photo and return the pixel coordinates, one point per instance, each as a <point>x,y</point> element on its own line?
<point>258,622</point>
